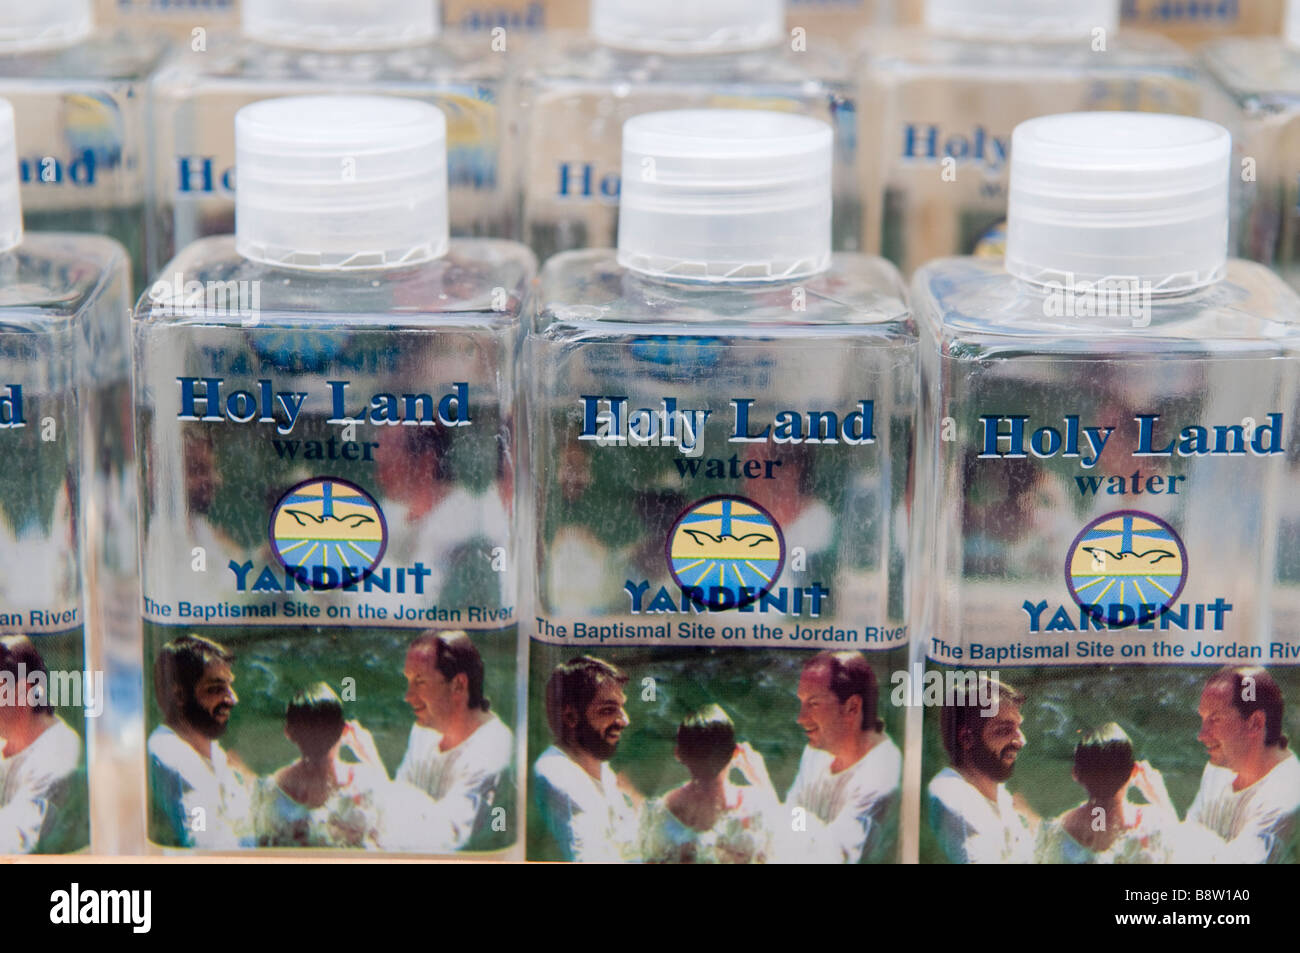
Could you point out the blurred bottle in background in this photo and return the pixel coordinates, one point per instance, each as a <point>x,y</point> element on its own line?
<point>1261,75</point>
<point>77,91</point>
<point>288,47</point>
<point>574,92</point>
<point>937,107</point>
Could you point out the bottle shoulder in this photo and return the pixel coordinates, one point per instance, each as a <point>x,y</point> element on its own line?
<point>589,293</point>
<point>116,56</point>
<point>478,282</point>
<point>970,305</point>
<point>1258,72</point>
<point>53,276</point>
<point>914,51</point>
<point>566,57</point>
<point>230,58</point>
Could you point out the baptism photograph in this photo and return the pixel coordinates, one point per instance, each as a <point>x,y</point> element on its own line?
<point>644,755</point>
<point>1176,765</point>
<point>378,740</point>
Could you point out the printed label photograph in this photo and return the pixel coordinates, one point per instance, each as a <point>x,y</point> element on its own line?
<point>1181,764</point>
<point>330,652</point>
<point>391,740</point>
<point>654,755</point>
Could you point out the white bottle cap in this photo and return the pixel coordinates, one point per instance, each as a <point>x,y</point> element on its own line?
<point>688,26</point>
<point>1119,195</point>
<point>341,24</point>
<point>49,24</point>
<point>725,195</point>
<point>333,182</point>
<point>1020,18</point>
<point>11,205</point>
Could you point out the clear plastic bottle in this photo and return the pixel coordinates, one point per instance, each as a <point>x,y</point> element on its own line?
<point>64,514</point>
<point>364,496</point>
<point>1261,75</point>
<point>575,90</point>
<point>291,47</point>
<point>1108,428</point>
<point>721,382</point>
<point>937,106</point>
<point>78,101</point>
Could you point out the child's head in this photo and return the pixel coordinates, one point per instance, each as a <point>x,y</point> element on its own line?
<point>1103,761</point>
<point>706,742</point>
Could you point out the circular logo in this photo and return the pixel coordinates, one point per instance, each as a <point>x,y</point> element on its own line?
<point>725,552</point>
<point>328,532</point>
<point>1126,567</point>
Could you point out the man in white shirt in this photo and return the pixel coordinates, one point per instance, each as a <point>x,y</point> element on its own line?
<point>198,798</point>
<point>850,771</point>
<point>1250,791</point>
<point>41,754</point>
<point>971,812</point>
<point>459,752</point>
<point>584,808</point>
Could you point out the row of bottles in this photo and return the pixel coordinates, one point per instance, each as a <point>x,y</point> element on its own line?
<point>719,491</point>
<point>125,135</point>
<point>722,489</point>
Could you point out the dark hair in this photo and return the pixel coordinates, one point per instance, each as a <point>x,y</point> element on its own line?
<point>314,720</point>
<point>851,675</point>
<point>1265,695</point>
<point>16,650</point>
<point>180,664</point>
<point>574,684</point>
<point>956,718</point>
<point>1103,761</point>
<point>706,742</point>
<point>454,654</point>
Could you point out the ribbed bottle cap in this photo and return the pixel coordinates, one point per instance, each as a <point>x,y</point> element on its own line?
<point>1119,195</point>
<point>688,26</point>
<point>341,24</point>
<point>725,195</point>
<point>1019,18</point>
<point>49,24</point>
<point>334,182</point>
<point>11,206</point>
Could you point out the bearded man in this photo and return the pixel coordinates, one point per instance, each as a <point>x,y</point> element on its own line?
<point>199,796</point>
<point>972,813</point>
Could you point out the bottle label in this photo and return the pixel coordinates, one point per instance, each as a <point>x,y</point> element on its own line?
<point>75,152</point>
<point>1114,576</point>
<point>1202,20</point>
<point>715,541</point>
<point>48,693</point>
<point>80,163</point>
<point>329,544</point>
